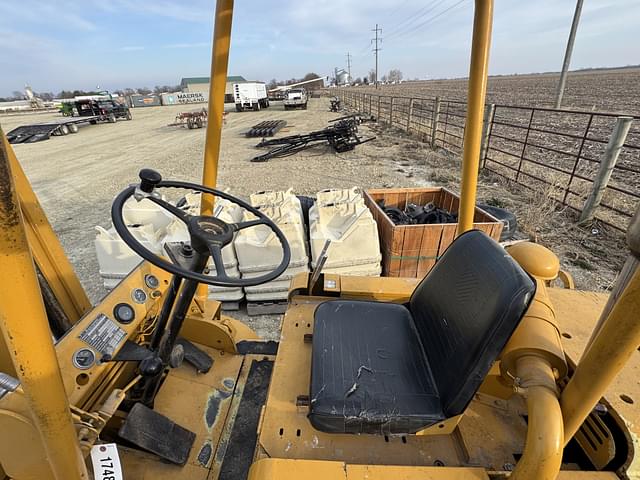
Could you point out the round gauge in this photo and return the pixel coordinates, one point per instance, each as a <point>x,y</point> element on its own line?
<point>138,295</point>
<point>151,281</point>
<point>84,358</point>
<point>124,313</point>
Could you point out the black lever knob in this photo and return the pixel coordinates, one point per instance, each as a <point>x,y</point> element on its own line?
<point>151,366</point>
<point>149,179</point>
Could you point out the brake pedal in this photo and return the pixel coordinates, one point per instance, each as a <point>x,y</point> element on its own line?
<point>155,433</point>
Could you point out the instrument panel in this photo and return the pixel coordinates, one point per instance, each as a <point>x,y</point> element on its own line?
<point>105,329</point>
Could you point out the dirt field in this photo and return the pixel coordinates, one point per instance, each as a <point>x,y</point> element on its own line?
<point>616,90</point>
<point>77,176</point>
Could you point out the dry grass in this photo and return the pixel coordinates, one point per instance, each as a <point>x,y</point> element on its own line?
<point>592,254</point>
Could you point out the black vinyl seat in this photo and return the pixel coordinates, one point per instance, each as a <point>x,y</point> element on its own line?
<point>385,368</point>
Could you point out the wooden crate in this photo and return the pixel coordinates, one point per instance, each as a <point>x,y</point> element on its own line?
<point>412,250</point>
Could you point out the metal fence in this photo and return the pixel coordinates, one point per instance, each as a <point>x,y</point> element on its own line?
<point>582,159</point>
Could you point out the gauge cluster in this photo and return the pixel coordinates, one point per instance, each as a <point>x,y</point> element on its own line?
<point>105,334</point>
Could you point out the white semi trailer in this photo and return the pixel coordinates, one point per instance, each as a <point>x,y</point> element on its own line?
<point>250,95</point>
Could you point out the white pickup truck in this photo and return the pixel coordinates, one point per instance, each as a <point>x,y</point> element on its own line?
<point>250,95</point>
<point>294,98</point>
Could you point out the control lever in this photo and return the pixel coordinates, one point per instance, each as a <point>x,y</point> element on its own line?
<point>149,179</point>
<point>322,258</point>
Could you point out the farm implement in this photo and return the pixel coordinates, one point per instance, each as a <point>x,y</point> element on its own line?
<point>342,136</point>
<point>191,120</point>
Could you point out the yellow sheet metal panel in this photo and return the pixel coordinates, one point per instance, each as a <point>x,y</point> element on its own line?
<point>587,476</point>
<point>577,313</point>
<point>29,342</point>
<point>616,344</point>
<point>280,469</point>
<point>46,247</point>
<point>385,472</point>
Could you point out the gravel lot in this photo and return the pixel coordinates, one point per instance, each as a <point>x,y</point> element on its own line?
<point>76,177</point>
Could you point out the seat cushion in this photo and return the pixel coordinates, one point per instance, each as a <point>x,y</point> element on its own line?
<point>369,372</point>
<point>465,311</point>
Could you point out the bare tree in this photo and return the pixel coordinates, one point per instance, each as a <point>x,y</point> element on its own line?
<point>144,91</point>
<point>372,75</point>
<point>46,96</point>
<point>394,76</point>
<point>17,95</point>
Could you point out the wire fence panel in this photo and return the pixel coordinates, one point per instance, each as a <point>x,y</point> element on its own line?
<point>558,150</point>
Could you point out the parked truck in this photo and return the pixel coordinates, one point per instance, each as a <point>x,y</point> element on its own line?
<point>250,95</point>
<point>294,98</point>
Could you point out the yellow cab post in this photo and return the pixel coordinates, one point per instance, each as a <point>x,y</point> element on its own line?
<point>478,72</point>
<point>26,333</point>
<point>219,66</point>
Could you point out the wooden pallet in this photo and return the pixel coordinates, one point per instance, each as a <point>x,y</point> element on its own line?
<point>230,306</point>
<point>272,307</point>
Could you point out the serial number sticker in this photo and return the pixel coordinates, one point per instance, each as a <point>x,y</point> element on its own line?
<point>103,334</point>
<point>106,462</point>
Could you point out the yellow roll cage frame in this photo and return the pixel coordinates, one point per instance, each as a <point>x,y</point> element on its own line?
<point>32,355</point>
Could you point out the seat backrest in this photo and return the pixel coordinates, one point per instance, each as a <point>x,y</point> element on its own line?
<point>465,310</point>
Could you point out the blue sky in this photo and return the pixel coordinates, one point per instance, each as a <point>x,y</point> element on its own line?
<point>73,44</point>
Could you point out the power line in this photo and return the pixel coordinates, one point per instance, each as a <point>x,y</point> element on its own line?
<point>397,9</point>
<point>417,15</point>
<point>426,22</point>
<point>376,49</point>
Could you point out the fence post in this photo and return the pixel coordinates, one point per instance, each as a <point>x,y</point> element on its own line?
<point>489,111</point>
<point>607,164</point>
<point>378,117</point>
<point>410,114</point>
<point>370,101</point>
<point>391,112</point>
<point>434,122</point>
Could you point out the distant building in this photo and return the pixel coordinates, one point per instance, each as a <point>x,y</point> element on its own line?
<point>201,85</point>
<point>16,105</point>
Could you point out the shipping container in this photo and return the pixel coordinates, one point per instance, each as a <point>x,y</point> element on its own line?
<point>192,97</point>
<point>168,99</point>
<point>144,100</point>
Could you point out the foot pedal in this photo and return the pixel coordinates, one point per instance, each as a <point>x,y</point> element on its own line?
<point>195,356</point>
<point>155,433</point>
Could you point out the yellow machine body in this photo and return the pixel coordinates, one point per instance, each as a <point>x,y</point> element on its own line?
<point>558,382</point>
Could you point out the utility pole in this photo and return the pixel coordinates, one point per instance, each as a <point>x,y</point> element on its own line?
<point>349,66</point>
<point>567,53</point>
<point>376,49</point>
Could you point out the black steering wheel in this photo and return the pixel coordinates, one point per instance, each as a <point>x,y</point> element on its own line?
<point>208,234</point>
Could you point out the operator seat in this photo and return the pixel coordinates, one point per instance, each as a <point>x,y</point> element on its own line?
<point>385,368</point>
